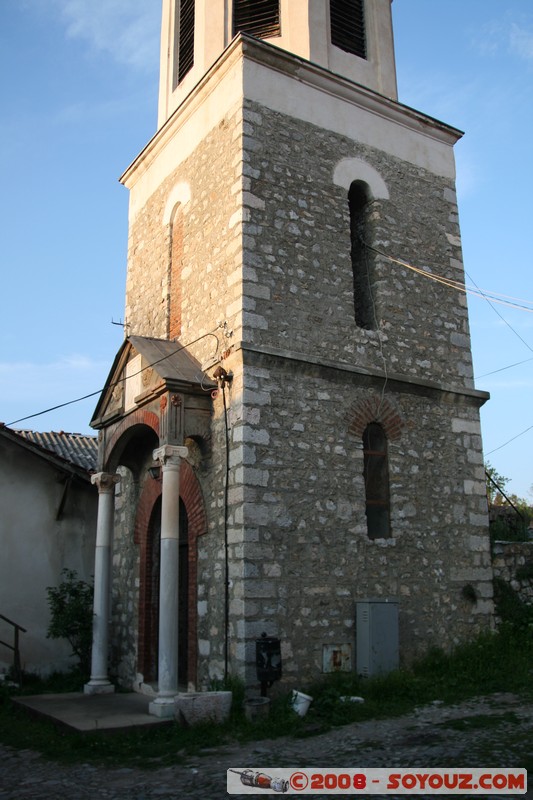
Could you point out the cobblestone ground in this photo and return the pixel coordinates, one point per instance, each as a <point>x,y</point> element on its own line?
<point>488,732</point>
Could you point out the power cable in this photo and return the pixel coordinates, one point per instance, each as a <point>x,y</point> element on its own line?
<point>121,380</point>
<point>489,297</point>
<point>502,369</point>
<point>518,435</point>
<point>508,300</point>
<point>489,301</point>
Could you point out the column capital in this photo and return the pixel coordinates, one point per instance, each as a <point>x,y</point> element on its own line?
<point>170,454</point>
<point>104,481</point>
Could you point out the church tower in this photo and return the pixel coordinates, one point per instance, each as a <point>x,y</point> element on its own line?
<point>294,228</point>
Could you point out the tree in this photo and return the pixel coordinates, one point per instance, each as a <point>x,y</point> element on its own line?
<point>496,484</point>
<point>510,515</point>
<point>71,609</point>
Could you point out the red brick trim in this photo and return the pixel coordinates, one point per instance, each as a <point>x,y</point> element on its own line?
<point>125,428</point>
<point>375,409</point>
<point>191,495</point>
<point>176,266</point>
<point>147,615</point>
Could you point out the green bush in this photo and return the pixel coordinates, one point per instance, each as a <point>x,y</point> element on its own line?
<point>71,610</point>
<point>509,529</point>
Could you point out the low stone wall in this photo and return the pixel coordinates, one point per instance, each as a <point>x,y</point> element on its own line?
<point>513,563</point>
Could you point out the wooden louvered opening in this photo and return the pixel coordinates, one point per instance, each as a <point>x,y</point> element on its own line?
<point>185,37</point>
<point>259,18</point>
<point>348,26</point>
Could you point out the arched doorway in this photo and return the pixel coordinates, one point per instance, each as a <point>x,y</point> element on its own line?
<point>150,587</point>
<point>193,524</point>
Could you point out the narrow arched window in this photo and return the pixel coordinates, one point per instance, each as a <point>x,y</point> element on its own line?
<point>184,37</point>
<point>259,18</point>
<point>376,476</point>
<point>347,20</point>
<point>362,262</point>
<point>175,274</point>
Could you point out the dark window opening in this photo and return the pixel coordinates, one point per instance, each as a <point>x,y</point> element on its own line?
<point>151,611</point>
<point>348,26</point>
<point>185,38</point>
<point>376,477</point>
<point>362,260</point>
<point>259,18</point>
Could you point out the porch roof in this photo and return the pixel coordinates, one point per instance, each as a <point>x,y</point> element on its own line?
<point>169,362</point>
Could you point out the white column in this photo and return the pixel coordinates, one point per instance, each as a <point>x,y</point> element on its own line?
<point>99,682</point>
<point>169,457</point>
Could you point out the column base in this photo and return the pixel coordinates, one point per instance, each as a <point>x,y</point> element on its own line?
<point>162,707</point>
<point>98,687</point>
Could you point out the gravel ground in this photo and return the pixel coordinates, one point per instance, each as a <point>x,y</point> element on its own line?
<point>492,732</point>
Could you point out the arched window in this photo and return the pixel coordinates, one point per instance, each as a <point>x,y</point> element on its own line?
<point>175,222</point>
<point>362,261</point>
<point>376,476</point>
<point>184,37</point>
<point>259,18</point>
<point>175,271</point>
<point>347,21</point>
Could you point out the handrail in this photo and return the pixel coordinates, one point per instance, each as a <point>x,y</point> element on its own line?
<point>17,672</point>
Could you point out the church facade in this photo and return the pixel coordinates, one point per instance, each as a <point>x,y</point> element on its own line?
<point>297,370</point>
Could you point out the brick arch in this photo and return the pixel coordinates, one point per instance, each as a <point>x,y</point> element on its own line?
<point>375,409</point>
<point>191,495</point>
<point>151,492</point>
<point>139,417</point>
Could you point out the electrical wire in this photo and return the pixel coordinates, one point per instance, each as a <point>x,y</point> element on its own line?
<point>489,301</point>
<point>518,435</point>
<point>489,297</point>
<point>502,369</point>
<point>507,300</point>
<point>121,380</point>
<point>513,330</point>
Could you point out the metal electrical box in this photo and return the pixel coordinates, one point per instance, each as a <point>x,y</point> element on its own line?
<point>377,638</point>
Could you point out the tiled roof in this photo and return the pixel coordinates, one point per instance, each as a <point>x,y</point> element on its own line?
<point>79,450</point>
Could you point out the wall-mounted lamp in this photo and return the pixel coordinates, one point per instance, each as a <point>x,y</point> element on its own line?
<point>222,377</point>
<point>155,471</point>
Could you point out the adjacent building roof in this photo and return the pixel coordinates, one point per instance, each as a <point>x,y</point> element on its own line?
<point>75,449</point>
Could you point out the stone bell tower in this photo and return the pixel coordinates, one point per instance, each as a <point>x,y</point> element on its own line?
<point>194,34</point>
<point>275,218</point>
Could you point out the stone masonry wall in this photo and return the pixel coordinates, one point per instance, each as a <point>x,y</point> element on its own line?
<point>211,556</point>
<point>299,285</point>
<point>210,226</point>
<point>513,563</point>
<point>211,291</point>
<point>125,563</point>
<point>266,248</point>
<point>306,555</point>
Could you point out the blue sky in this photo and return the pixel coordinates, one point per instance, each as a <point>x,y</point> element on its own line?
<point>78,82</point>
